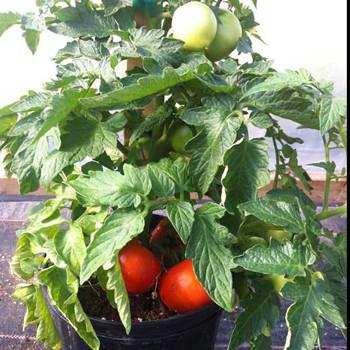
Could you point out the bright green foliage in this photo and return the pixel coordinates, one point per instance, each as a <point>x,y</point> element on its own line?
<point>100,142</point>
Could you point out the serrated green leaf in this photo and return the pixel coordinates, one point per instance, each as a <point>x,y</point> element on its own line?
<point>278,258</point>
<point>152,44</point>
<point>58,110</point>
<point>148,85</point>
<point>70,246</point>
<point>261,314</point>
<point>218,135</point>
<point>311,302</point>
<point>7,20</point>
<point>212,261</point>
<point>32,102</point>
<point>112,281</point>
<point>112,188</point>
<point>276,213</point>
<point>62,290</point>
<point>247,171</point>
<point>162,184</point>
<point>332,111</point>
<point>181,216</point>
<point>81,137</point>
<point>83,21</point>
<point>279,81</point>
<point>121,227</point>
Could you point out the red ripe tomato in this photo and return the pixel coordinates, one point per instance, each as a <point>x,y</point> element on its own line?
<point>140,267</point>
<point>180,289</point>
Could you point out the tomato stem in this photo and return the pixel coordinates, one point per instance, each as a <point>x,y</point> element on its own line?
<point>326,214</point>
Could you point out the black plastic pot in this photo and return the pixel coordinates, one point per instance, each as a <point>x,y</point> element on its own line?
<point>192,331</point>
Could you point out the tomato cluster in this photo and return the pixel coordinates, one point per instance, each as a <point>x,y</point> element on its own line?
<point>214,30</point>
<point>179,288</point>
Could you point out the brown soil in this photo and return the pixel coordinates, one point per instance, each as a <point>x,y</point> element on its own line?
<point>144,307</point>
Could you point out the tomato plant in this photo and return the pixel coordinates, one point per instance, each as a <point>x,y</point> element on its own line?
<point>140,267</point>
<point>109,146</point>
<point>180,289</point>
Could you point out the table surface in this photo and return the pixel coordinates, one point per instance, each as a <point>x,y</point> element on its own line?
<point>12,336</point>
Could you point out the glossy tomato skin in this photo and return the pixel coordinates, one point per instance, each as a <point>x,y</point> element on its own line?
<point>195,24</point>
<point>180,136</point>
<point>180,289</point>
<point>227,36</point>
<point>140,267</point>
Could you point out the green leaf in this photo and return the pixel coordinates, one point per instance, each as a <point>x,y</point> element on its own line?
<point>311,302</point>
<point>162,183</point>
<point>112,188</point>
<point>112,6</point>
<point>7,20</point>
<point>32,102</point>
<point>38,313</point>
<point>332,111</point>
<point>120,228</point>
<point>27,294</point>
<point>62,290</point>
<point>70,246</point>
<point>262,343</point>
<point>32,38</point>
<point>218,135</point>
<point>23,261</point>
<point>83,21</point>
<point>178,171</point>
<point>260,315</point>
<point>286,103</point>
<point>261,120</point>
<point>247,171</point>
<point>277,213</point>
<point>212,261</point>
<point>81,137</point>
<point>58,110</point>
<point>279,81</point>
<point>148,85</point>
<point>278,258</point>
<point>6,122</point>
<point>112,281</point>
<point>152,44</point>
<point>181,216</point>
<point>47,332</point>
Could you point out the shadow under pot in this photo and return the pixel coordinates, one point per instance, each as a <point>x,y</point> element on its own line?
<point>194,330</point>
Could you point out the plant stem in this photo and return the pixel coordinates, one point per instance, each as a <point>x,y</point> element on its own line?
<point>325,214</point>
<point>328,176</point>
<point>343,137</point>
<point>275,181</point>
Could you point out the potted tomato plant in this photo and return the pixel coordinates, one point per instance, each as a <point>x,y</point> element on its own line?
<point>170,137</point>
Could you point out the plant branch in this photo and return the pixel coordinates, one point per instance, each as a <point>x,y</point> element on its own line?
<point>275,181</point>
<point>328,176</point>
<point>326,214</point>
<point>343,137</point>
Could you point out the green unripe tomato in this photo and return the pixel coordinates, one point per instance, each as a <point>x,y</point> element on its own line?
<point>179,137</point>
<point>227,35</point>
<point>195,24</point>
<point>278,235</point>
<point>277,281</point>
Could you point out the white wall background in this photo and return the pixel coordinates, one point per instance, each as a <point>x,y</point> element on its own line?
<point>298,33</point>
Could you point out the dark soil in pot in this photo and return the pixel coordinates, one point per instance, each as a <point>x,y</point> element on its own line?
<point>144,307</point>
